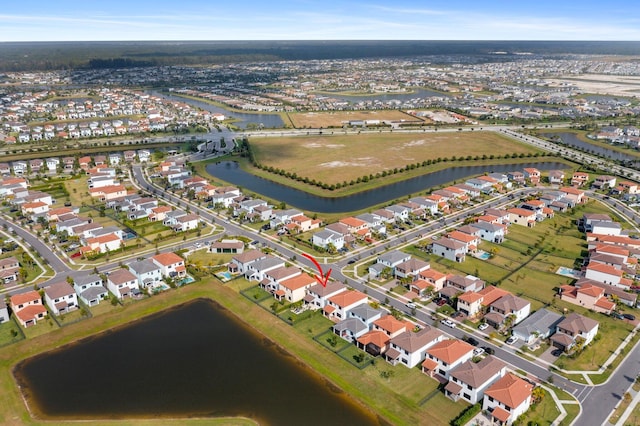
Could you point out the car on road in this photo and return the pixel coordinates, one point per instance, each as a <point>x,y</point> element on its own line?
<point>411,305</point>
<point>470,340</point>
<point>478,351</point>
<point>351,262</point>
<point>197,244</point>
<point>488,350</point>
<point>449,323</point>
<point>511,340</point>
<point>483,326</point>
<point>629,317</point>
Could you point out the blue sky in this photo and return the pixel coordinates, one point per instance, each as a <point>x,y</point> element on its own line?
<point>64,20</point>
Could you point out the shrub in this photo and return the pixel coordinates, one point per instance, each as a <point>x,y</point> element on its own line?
<point>465,416</point>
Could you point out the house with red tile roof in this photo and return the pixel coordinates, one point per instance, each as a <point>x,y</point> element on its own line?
<point>522,217</point>
<point>507,399</point>
<point>446,355</point>
<point>339,305</point>
<point>28,308</point>
<point>171,265</point>
<point>589,296</point>
<point>295,288</point>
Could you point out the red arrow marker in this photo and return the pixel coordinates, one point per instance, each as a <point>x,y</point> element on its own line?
<point>322,279</point>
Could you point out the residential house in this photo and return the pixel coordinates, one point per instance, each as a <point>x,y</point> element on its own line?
<point>4,312</point>
<point>122,283</point>
<point>538,326</point>
<point>532,175</point>
<point>449,249</point>
<point>470,303</point>
<point>469,380</point>
<point>240,263</point>
<point>522,217</point>
<point>607,274</point>
<point>294,289</point>
<point>146,271</point>
<point>227,246</point>
<point>61,298</point>
<point>410,348</point>
<point>446,355</point>
<point>328,239</point>
<point>589,296</point>
<point>27,308</point>
<point>574,195</point>
<point>574,329</point>
<point>579,179</point>
<point>604,182</point>
<point>411,268</point>
<point>507,311</point>
<point>507,399</point>
<point>556,177</point>
<point>493,232</point>
<point>90,289</point>
<point>171,265</point>
<point>339,305</point>
<point>9,270</point>
<point>318,295</point>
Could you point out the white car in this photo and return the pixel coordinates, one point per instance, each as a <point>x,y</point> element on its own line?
<point>511,340</point>
<point>411,305</point>
<point>449,323</point>
<point>483,326</point>
<point>478,351</point>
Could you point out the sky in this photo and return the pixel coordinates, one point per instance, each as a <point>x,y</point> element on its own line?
<point>93,20</point>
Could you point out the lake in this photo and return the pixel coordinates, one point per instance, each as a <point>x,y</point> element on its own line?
<point>572,139</point>
<point>268,121</point>
<point>193,360</point>
<point>231,172</point>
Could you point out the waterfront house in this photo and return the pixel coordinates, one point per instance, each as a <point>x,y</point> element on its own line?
<point>27,308</point>
<point>60,298</point>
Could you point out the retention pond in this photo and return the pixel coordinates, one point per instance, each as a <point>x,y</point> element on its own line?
<point>194,360</point>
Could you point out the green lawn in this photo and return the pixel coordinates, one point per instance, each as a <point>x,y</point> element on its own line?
<point>10,332</point>
<point>543,413</point>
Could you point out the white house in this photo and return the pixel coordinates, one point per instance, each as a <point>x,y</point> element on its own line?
<point>493,232</point>
<point>470,379</point>
<point>571,327</point>
<point>90,289</point>
<point>60,298</point>
<point>240,262</point>
<point>449,249</point>
<point>122,283</point>
<point>507,399</point>
<point>506,306</point>
<point>410,348</point>
<point>171,265</point>
<point>4,312</point>
<point>294,289</point>
<point>339,305</point>
<point>445,356</point>
<point>318,295</point>
<point>327,237</point>
<point>147,272</point>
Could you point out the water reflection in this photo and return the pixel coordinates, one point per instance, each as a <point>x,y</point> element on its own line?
<point>231,172</point>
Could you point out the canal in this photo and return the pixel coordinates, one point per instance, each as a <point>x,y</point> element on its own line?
<point>231,172</point>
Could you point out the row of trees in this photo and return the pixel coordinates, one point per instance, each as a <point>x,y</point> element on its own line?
<point>384,173</point>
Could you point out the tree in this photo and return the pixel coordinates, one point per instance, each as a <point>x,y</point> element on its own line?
<point>538,394</point>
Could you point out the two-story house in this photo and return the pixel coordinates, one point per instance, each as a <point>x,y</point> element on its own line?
<point>60,298</point>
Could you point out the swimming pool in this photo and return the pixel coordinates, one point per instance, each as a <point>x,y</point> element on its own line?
<point>186,280</point>
<point>224,276</point>
<point>568,272</point>
<point>483,255</point>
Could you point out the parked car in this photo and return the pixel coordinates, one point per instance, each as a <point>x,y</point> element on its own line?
<point>456,314</point>
<point>616,315</point>
<point>478,351</point>
<point>441,302</point>
<point>470,340</point>
<point>511,340</point>
<point>483,326</point>
<point>488,350</point>
<point>449,323</point>
<point>411,305</point>
<point>629,317</point>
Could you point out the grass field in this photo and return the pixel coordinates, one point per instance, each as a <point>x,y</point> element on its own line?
<point>334,159</point>
<point>338,118</point>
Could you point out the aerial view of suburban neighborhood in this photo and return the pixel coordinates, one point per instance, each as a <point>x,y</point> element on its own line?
<point>355,237</point>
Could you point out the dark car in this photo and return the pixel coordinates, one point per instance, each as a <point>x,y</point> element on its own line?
<point>441,302</point>
<point>617,315</point>
<point>488,350</point>
<point>629,317</point>
<point>470,340</point>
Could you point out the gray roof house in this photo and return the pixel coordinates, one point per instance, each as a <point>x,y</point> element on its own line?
<point>541,324</point>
